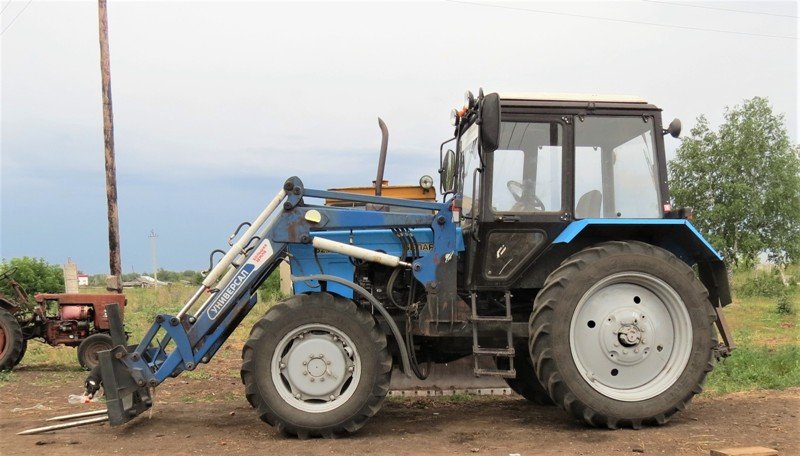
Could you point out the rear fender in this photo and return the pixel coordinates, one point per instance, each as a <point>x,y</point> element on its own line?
<point>677,236</point>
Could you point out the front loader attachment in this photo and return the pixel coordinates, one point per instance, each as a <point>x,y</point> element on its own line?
<point>126,397</point>
<point>180,342</point>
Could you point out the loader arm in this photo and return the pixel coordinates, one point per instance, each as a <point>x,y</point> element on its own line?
<point>180,342</point>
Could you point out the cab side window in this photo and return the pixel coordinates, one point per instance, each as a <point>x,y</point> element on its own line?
<point>527,168</point>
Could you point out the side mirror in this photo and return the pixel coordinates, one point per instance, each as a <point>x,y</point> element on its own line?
<point>447,173</point>
<point>674,128</point>
<point>490,122</point>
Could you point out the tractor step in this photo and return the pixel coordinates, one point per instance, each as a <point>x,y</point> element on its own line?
<point>510,373</point>
<point>507,352</point>
<point>503,352</point>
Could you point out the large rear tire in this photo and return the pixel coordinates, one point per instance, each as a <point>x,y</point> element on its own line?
<point>622,335</point>
<point>316,366</point>
<point>11,341</point>
<point>525,384</point>
<point>21,352</point>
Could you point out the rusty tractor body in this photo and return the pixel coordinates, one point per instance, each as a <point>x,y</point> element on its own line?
<point>71,319</point>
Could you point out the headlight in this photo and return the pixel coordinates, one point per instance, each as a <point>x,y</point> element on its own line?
<point>469,100</point>
<point>426,182</point>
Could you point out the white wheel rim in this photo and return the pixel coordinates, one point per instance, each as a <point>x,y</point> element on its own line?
<point>631,336</point>
<point>315,368</point>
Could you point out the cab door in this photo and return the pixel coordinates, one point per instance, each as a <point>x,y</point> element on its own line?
<point>525,199</point>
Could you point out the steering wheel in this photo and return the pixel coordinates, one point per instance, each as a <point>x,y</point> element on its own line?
<point>524,196</point>
<point>8,273</point>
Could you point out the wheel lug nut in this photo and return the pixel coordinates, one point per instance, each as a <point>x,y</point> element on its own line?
<point>351,368</point>
<point>333,397</point>
<point>312,380</point>
<point>624,352</point>
<point>297,396</point>
<point>282,366</point>
<point>322,379</point>
<point>300,336</point>
<point>305,363</point>
<point>305,372</point>
<point>328,363</point>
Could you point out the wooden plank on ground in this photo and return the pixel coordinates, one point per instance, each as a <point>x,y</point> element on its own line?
<point>745,451</point>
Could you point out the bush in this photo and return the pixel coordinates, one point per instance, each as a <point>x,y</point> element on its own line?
<point>767,284</point>
<point>783,305</point>
<point>34,274</point>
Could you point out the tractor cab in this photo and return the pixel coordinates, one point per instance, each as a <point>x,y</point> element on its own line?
<point>527,165</point>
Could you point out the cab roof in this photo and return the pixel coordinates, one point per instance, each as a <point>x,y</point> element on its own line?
<point>579,97</point>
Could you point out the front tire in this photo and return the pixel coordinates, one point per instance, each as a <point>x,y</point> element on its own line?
<point>90,347</point>
<point>316,366</point>
<point>622,334</point>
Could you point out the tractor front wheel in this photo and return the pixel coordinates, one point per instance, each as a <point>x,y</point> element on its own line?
<point>11,341</point>
<point>90,347</point>
<point>316,365</point>
<point>622,335</point>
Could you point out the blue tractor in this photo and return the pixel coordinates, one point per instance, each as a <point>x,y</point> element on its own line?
<point>555,253</point>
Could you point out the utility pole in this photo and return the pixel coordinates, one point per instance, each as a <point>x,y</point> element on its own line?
<point>153,250</point>
<point>114,281</point>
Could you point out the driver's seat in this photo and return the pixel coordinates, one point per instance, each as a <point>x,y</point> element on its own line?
<point>589,205</point>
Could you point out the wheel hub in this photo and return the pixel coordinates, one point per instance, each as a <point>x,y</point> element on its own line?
<point>317,371</point>
<point>629,335</point>
<point>623,336</point>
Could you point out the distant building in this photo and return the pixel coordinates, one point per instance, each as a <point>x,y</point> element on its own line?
<point>83,280</point>
<point>143,281</point>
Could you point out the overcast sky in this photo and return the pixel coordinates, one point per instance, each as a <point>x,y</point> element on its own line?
<point>216,103</point>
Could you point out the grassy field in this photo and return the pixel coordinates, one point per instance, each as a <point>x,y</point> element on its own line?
<point>767,357</point>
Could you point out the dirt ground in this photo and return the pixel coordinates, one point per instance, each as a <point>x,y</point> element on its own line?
<point>206,413</point>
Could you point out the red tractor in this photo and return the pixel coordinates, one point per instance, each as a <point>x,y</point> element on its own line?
<point>71,319</point>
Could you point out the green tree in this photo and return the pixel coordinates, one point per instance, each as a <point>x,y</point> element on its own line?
<point>743,183</point>
<point>34,274</point>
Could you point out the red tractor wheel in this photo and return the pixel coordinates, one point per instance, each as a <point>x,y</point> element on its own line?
<point>90,347</point>
<point>11,340</point>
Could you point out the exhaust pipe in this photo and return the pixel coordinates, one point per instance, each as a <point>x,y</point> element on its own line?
<point>382,158</point>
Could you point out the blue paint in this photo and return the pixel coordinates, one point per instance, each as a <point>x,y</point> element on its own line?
<point>575,228</point>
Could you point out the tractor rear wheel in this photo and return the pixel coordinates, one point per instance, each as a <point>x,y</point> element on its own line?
<point>622,335</point>
<point>525,384</point>
<point>11,341</point>
<point>316,366</point>
<point>90,347</point>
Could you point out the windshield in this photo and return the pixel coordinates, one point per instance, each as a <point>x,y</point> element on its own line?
<point>615,168</point>
<point>468,147</point>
